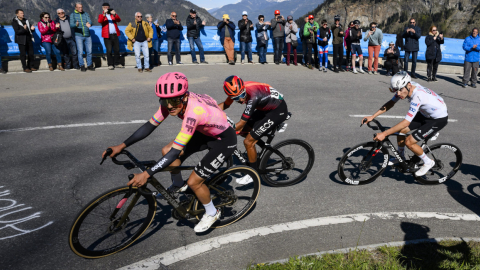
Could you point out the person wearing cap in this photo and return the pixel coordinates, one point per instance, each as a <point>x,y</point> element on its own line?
<point>337,33</point>
<point>391,62</point>
<point>227,37</point>
<point>347,43</point>
<point>310,34</point>
<point>262,39</point>
<point>355,36</point>
<point>110,33</point>
<point>194,23</point>
<point>375,39</point>
<point>291,30</point>
<point>246,27</point>
<point>278,34</point>
<point>174,30</point>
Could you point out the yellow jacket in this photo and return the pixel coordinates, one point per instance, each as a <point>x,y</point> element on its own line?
<point>131,32</point>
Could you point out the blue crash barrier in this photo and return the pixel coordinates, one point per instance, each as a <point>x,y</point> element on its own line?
<point>452,49</point>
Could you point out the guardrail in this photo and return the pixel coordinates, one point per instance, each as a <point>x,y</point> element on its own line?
<point>452,50</point>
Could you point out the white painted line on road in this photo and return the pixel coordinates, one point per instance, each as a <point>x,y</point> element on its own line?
<point>75,125</point>
<point>389,244</point>
<point>392,116</point>
<point>194,249</point>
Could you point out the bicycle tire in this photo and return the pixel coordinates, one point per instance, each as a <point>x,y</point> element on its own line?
<point>86,251</point>
<point>439,151</point>
<point>380,163</point>
<point>264,163</point>
<point>222,181</point>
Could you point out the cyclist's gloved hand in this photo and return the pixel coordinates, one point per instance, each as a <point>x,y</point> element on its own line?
<point>116,150</point>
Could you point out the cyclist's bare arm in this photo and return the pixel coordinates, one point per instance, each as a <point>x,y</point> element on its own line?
<point>240,125</point>
<point>387,106</point>
<point>226,104</point>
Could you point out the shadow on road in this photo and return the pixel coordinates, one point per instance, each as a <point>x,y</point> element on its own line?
<point>470,199</point>
<point>432,255</point>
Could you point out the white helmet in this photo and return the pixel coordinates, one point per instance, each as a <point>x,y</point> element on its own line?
<point>399,80</point>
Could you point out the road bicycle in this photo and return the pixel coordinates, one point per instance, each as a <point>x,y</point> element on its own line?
<point>116,219</point>
<point>364,163</point>
<point>284,164</point>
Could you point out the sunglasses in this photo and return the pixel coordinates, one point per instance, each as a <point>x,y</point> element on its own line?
<point>174,15</point>
<point>434,29</point>
<point>172,101</point>
<point>374,27</point>
<point>139,16</point>
<point>237,98</point>
<point>393,90</point>
<point>412,22</point>
<point>325,24</point>
<point>61,13</point>
<point>46,17</point>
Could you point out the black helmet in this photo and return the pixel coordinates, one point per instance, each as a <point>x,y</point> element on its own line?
<point>336,18</point>
<point>356,22</point>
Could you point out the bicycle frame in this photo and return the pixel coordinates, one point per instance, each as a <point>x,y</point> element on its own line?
<point>405,166</point>
<point>264,145</point>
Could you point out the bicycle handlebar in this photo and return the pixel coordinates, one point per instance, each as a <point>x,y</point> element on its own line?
<point>378,125</point>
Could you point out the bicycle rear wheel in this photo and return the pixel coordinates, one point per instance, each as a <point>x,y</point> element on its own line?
<point>95,234</point>
<point>234,199</point>
<point>448,159</point>
<point>361,165</point>
<point>298,161</point>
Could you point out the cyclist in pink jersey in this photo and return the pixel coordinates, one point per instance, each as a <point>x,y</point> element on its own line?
<point>204,126</point>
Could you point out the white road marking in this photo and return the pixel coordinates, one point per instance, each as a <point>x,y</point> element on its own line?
<point>74,125</point>
<point>194,249</point>
<point>393,116</point>
<point>389,244</point>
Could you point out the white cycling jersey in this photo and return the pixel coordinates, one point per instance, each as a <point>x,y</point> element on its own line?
<point>426,101</point>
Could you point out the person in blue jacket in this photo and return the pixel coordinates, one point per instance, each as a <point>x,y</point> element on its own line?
<point>323,36</point>
<point>470,67</point>
<point>227,38</point>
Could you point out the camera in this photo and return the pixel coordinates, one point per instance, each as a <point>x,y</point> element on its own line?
<point>279,17</point>
<point>109,10</point>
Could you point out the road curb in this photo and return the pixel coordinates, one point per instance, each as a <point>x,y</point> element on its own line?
<point>375,246</point>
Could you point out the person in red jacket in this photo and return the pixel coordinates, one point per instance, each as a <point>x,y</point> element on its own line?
<point>110,33</point>
<point>47,28</point>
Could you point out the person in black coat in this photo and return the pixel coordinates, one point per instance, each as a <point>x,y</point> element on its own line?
<point>24,38</point>
<point>194,23</point>
<point>433,53</point>
<point>174,30</point>
<point>246,26</point>
<point>392,53</point>
<point>411,34</point>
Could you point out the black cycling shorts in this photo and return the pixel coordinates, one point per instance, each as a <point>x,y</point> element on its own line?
<point>219,150</point>
<point>262,122</point>
<point>426,127</point>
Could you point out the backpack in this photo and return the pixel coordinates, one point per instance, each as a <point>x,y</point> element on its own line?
<point>57,38</point>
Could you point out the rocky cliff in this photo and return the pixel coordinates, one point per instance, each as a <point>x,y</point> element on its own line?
<point>160,9</point>
<point>455,18</point>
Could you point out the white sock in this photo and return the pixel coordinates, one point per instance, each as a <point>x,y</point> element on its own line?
<point>401,151</point>
<point>177,179</point>
<point>210,209</point>
<point>425,159</point>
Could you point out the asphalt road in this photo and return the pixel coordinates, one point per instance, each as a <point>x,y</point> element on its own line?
<point>48,175</point>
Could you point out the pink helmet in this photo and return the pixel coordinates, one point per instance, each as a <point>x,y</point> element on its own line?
<point>172,84</point>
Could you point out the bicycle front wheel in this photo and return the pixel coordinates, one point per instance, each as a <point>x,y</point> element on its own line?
<point>96,233</point>
<point>362,164</point>
<point>297,162</point>
<point>232,194</point>
<point>448,159</point>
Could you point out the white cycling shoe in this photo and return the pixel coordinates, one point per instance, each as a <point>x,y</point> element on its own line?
<point>394,161</point>
<point>247,179</point>
<point>424,169</point>
<point>206,222</point>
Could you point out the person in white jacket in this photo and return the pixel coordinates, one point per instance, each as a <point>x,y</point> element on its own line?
<point>291,30</point>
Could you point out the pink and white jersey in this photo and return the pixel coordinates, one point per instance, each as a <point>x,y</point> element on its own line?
<point>202,114</point>
<point>425,101</point>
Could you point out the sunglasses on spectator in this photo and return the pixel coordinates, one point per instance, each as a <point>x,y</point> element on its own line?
<point>46,17</point>
<point>434,29</point>
<point>139,16</point>
<point>242,95</point>
<point>412,22</point>
<point>61,13</point>
<point>174,15</point>
<point>374,27</point>
<point>325,24</point>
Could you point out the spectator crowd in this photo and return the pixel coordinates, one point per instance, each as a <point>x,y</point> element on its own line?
<point>67,38</point>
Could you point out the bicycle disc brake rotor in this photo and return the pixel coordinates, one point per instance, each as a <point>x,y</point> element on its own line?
<point>114,228</point>
<point>288,163</point>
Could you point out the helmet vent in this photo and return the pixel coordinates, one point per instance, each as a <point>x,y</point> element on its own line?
<point>165,89</point>
<point>172,88</point>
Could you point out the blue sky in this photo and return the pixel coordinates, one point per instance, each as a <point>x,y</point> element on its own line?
<point>212,3</point>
